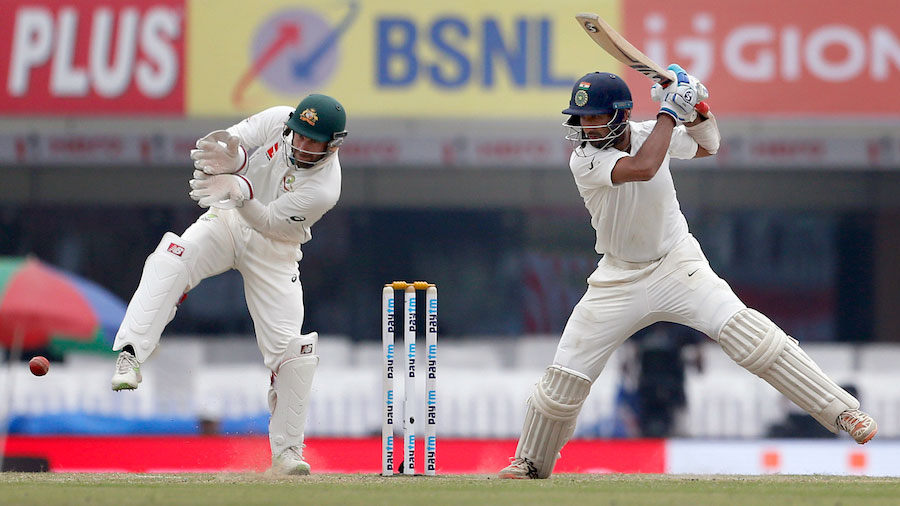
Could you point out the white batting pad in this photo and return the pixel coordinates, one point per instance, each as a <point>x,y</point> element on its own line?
<point>291,387</point>
<point>152,307</point>
<point>758,345</point>
<point>550,417</point>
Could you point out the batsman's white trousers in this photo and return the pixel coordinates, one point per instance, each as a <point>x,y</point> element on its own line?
<point>624,297</point>
<point>269,269</point>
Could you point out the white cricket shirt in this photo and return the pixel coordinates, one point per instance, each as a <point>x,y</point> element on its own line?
<point>638,221</point>
<point>287,201</point>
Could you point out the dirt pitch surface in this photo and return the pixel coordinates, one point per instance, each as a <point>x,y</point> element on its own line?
<point>346,489</point>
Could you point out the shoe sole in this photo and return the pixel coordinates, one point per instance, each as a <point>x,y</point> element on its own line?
<point>510,476</point>
<point>302,471</point>
<point>869,437</point>
<point>123,386</point>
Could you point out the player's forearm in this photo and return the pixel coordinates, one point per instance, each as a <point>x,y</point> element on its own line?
<point>648,159</point>
<point>706,133</point>
<point>652,153</point>
<point>262,219</point>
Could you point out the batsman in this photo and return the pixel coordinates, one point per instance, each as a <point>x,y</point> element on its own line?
<point>653,269</point>
<point>267,180</point>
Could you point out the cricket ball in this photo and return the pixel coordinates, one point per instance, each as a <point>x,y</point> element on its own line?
<point>39,366</point>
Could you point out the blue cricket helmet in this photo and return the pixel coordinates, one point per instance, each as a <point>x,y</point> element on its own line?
<point>599,93</point>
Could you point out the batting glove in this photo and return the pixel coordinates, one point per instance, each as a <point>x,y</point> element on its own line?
<point>679,100</point>
<point>658,91</point>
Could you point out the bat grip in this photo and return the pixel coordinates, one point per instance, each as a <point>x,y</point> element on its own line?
<point>702,109</point>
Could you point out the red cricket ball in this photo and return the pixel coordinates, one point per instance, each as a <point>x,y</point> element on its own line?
<point>39,366</point>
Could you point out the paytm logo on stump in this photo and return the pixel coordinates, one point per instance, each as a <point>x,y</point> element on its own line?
<point>294,51</point>
<point>466,52</point>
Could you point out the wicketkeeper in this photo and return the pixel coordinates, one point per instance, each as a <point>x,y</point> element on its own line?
<point>267,180</point>
<point>653,270</point>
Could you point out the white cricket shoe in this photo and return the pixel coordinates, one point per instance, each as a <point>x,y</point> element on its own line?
<point>860,425</point>
<point>519,468</point>
<point>290,462</point>
<point>128,372</point>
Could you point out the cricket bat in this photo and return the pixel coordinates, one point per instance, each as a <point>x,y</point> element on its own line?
<point>619,48</point>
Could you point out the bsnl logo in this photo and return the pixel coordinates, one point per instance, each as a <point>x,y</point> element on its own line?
<point>464,52</point>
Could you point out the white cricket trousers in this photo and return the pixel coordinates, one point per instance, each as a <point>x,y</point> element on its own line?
<point>269,269</point>
<point>624,297</point>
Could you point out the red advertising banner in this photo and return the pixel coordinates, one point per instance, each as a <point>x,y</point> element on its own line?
<point>142,454</point>
<point>798,58</point>
<point>92,56</point>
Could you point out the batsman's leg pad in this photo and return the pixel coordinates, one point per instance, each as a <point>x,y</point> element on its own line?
<point>291,387</point>
<point>550,417</point>
<point>271,397</point>
<point>758,345</point>
<point>163,283</point>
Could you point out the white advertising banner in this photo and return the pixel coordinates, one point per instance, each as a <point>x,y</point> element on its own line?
<point>482,146</point>
<point>840,456</point>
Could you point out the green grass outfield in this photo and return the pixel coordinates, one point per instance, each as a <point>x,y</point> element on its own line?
<point>125,489</point>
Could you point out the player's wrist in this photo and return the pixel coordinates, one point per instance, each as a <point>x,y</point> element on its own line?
<point>243,157</point>
<point>238,161</point>
<point>245,186</point>
<point>665,115</point>
<point>706,133</point>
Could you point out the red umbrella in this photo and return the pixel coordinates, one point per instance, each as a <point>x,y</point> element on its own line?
<point>38,303</point>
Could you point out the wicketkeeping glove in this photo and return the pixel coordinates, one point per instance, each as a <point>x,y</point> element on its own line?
<point>223,191</point>
<point>219,153</point>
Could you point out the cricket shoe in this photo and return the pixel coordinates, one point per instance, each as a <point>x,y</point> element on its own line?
<point>290,462</point>
<point>860,425</point>
<point>519,468</point>
<point>128,372</point>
